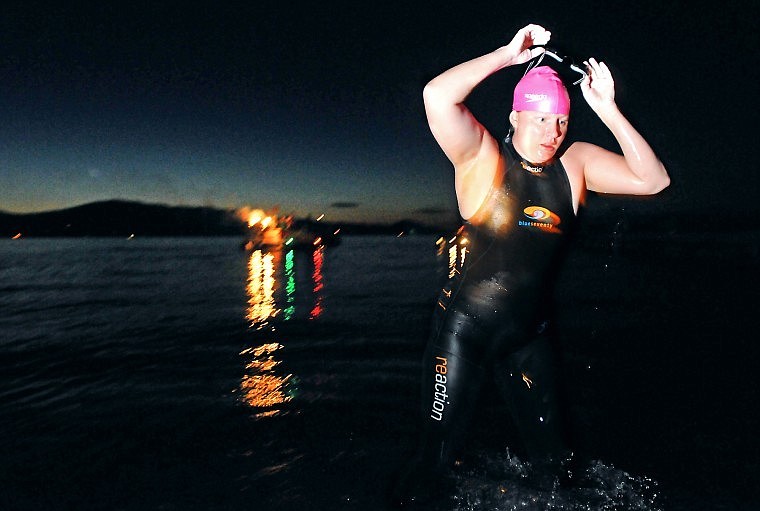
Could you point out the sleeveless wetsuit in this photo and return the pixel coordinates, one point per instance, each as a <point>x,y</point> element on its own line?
<point>489,322</point>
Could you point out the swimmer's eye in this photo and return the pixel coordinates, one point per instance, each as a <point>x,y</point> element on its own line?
<point>563,122</point>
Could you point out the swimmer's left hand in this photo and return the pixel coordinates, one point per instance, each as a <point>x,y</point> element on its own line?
<point>598,87</point>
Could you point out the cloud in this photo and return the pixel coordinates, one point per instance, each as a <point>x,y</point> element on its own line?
<point>344,205</point>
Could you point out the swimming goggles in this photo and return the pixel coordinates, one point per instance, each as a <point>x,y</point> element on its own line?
<point>568,62</point>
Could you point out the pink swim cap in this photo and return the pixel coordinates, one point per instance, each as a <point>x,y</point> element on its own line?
<point>541,90</point>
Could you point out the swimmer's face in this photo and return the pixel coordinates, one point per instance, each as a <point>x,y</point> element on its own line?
<point>538,135</point>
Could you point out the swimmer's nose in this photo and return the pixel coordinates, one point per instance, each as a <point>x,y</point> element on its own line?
<point>554,130</point>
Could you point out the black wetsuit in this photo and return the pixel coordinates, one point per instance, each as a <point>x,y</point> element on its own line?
<point>490,325</point>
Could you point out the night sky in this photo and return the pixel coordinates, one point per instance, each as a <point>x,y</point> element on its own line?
<point>318,108</point>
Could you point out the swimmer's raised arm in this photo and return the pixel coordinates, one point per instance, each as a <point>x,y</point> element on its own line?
<point>638,171</point>
<point>455,129</point>
<point>467,144</point>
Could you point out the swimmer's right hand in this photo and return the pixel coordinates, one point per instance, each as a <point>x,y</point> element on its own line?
<point>520,47</point>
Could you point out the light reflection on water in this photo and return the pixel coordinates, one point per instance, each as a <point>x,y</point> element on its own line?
<point>283,284</point>
<point>318,258</point>
<point>261,386</point>
<point>451,253</point>
<point>261,284</point>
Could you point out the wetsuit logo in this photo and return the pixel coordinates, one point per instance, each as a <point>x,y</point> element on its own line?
<point>542,218</point>
<point>439,389</point>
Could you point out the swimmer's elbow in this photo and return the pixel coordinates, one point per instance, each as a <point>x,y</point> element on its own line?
<point>651,184</point>
<point>664,183</point>
<point>661,182</point>
<point>432,94</point>
<point>439,95</point>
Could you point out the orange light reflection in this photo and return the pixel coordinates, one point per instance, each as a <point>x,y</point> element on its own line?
<point>262,388</point>
<point>318,258</point>
<point>271,287</point>
<point>452,252</point>
<point>261,287</point>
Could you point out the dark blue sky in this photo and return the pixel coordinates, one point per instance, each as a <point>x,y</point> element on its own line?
<point>318,108</point>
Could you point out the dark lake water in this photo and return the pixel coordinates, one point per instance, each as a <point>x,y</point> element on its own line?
<point>186,373</point>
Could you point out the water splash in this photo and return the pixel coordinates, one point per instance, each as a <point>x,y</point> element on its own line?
<point>501,483</point>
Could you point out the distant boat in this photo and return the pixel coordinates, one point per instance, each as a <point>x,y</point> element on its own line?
<point>270,231</point>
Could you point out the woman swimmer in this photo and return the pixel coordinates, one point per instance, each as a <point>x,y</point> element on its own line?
<point>518,200</point>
